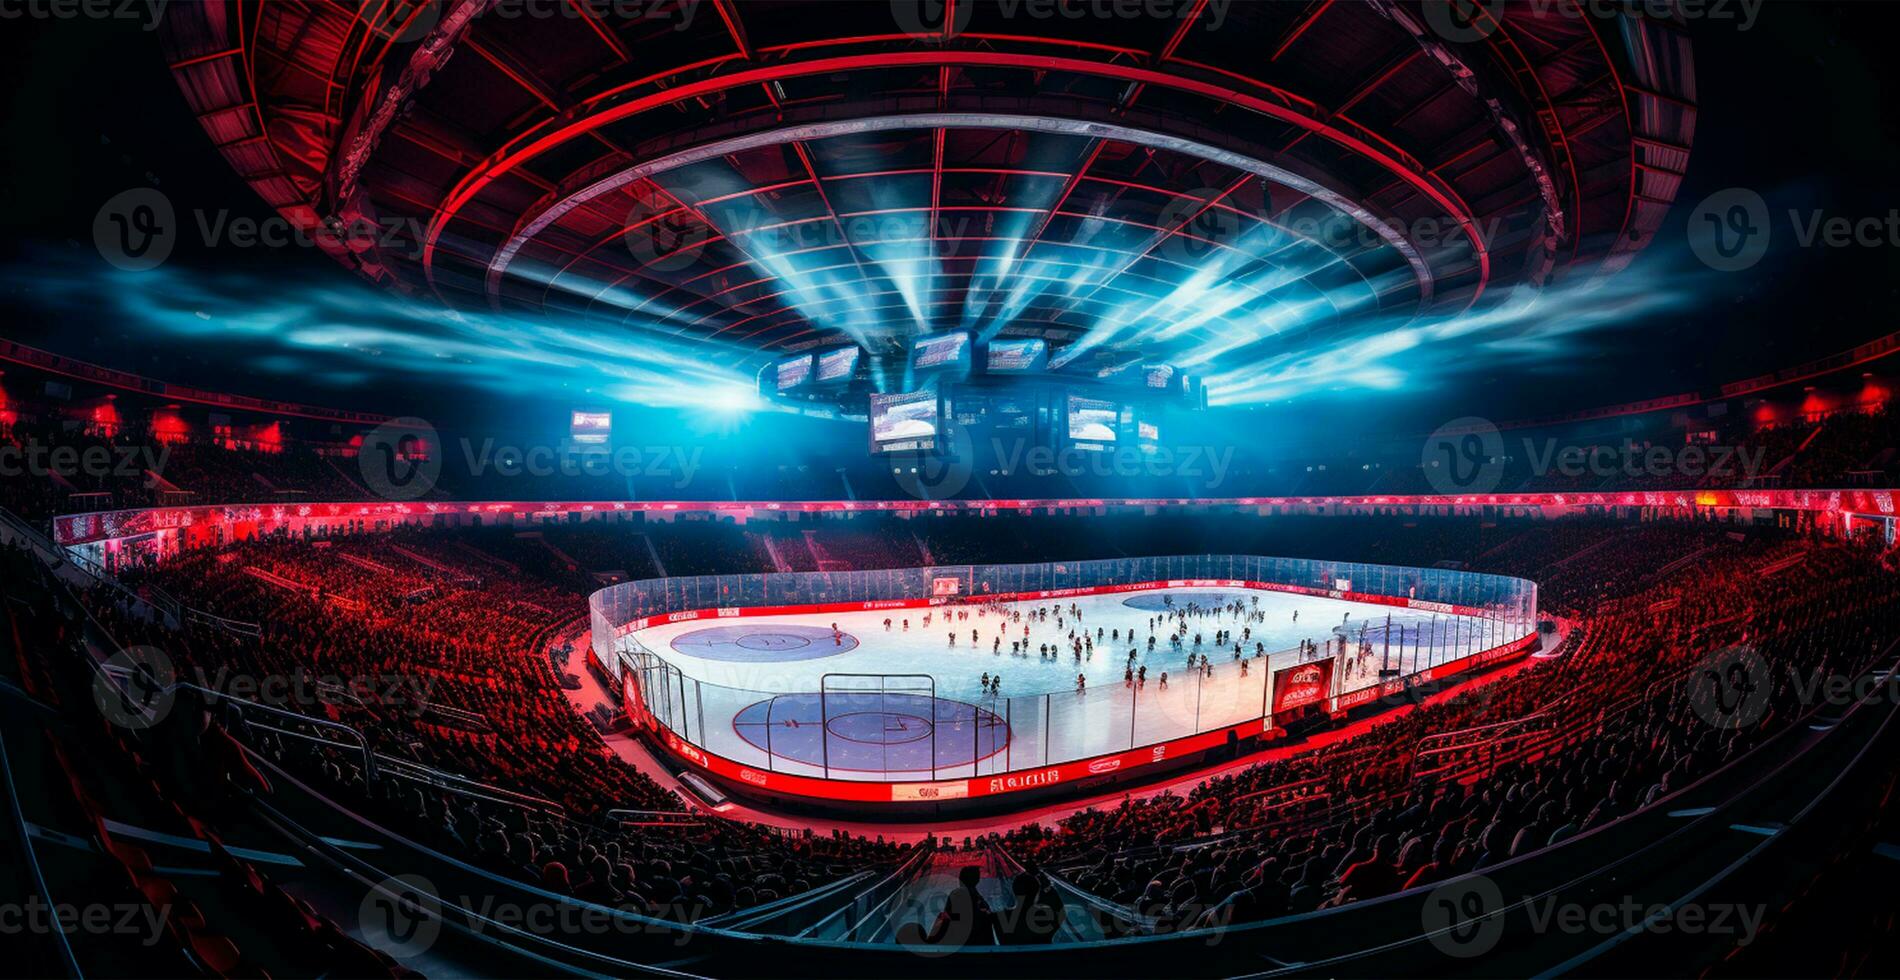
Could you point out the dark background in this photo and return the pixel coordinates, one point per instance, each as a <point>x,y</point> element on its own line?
<point>1800,108</point>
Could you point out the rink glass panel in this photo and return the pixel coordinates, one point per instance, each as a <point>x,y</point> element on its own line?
<point>1041,728</point>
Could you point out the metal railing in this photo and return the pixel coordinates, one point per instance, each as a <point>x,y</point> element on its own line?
<point>845,923</point>
<point>400,768</point>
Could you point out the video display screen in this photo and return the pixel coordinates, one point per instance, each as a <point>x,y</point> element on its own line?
<point>794,371</point>
<point>942,350</point>
<point>838,365</point>
<point>1008,412</point>
<point>1091,421</point>
<point>1019,356</point>
<point>1148,432</point>
<point>590,428</point>
<point>1158,375</point>
<point>903,421</point>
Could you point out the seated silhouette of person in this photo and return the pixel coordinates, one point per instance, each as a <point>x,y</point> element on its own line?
<point>966,919</point>
<point>1037,915</point>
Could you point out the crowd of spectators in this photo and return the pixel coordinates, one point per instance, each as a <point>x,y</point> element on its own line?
<point>60,466</point>
<point>1353,821</point>
<point>441,665</point>
<point>466,614</point>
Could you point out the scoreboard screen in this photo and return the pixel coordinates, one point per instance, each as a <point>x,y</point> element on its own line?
<point>837,365</point>
<point>1091,422</point>
<point>590,428</point>
<point>1019,356</point>
<point>794,371</point>
<point>904,421</point>
<point>940,351</point>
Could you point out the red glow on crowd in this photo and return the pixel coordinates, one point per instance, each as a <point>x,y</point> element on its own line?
<point>1818,404</point>
<point>104,417</point>
<point>168,426</point>
<point>265,437</point>
<point>1874,394</point>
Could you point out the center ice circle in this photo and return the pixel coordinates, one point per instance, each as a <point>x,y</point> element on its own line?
<point>1159,601</point>
<point>880,727</point>
<point>773,641</point>
<point>872,731</point>
<point>779,642</point>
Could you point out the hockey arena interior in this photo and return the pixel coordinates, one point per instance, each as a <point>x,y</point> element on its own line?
<point>948,488</point>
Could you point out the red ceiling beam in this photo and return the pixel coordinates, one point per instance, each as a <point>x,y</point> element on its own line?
<point>509,160</point>
<point>729,14</point>
<point>731,18</point>
<point>1305,24</point>
<point>541,93</point>
<point>1167,50</point>
<point>201,59</point>
<point>1364,90</point>
<point>626,229</point>
<point>613,43</point>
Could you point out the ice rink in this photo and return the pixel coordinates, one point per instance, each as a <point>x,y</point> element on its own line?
<point>900,701</point>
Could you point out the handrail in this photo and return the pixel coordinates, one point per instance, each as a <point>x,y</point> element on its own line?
<point>620,813</point>
<point>893,882</point>
<point>237,626</point>
<point>1279,788</point>
<point>1124,916</point>
<point>451,782</point>
<point>166,602</point>
<point>214,697</point>
<point>1267,810</point>
<point>375,764</point>
<point>1427,744</point>
<point>1307,820</point>
<point>22,833</point>
<point>470,718</point>
<point>54,555</point>
<point>751,919</point>
<point>1562,730</point>
<point>1542,711</point>
<point>1130,919</point>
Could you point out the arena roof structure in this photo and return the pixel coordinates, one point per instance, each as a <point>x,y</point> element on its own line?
<point>1203,179</point>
